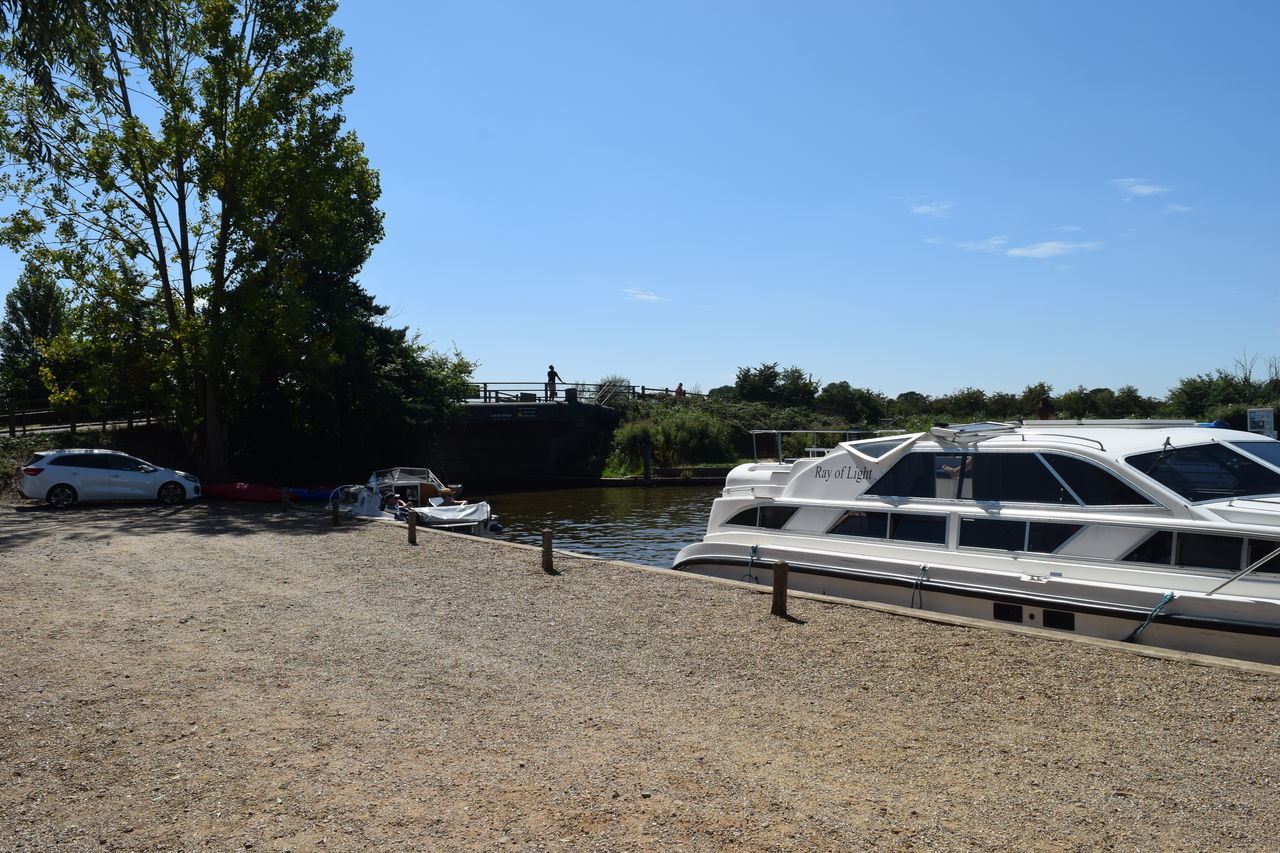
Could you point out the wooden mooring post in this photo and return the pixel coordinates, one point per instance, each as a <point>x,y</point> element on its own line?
<point>780,571</point>
<point>413,527</point>
<point>546,552</point>
<point>335,512</point>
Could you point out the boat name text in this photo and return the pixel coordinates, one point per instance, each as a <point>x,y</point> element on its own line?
<point>857,473</point>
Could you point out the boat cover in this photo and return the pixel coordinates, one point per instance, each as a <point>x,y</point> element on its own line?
<point>476,513</point>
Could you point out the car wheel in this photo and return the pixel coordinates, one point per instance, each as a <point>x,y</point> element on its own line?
<point>171,493</point>
<point>61,496</point>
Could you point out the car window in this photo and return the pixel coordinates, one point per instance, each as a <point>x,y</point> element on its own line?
<point>127,463</point>
<point>35,457</point>
<point>79,460</point>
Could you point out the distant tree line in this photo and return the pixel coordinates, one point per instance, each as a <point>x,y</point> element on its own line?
<point>715,428</point>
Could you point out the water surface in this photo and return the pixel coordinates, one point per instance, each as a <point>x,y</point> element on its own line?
<point>641,524</point>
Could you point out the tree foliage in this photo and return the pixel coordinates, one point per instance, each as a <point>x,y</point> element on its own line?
<point>34,314</point>
<point>182,165</point>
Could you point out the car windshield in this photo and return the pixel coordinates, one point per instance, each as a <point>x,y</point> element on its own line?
<point>1207,472</point>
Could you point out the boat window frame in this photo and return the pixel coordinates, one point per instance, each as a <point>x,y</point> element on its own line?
<point>1175,550</point>
<point>1150,501</point>
<point>964,455</point>
<point>891,456</point>
<point>1026,534</point>
<point>889,526</point>
<point>757,508</point>
<point>1228,446</point>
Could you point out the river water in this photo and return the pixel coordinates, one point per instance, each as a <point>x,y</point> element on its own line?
<point>641,524</point>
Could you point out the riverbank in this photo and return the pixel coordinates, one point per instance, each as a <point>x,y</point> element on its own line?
<point>221,676</point>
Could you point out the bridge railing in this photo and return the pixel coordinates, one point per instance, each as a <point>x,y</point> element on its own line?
<point>603,394</point>
<point>23,416</point>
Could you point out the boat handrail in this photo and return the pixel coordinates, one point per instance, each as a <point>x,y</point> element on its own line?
<point>779,434</point>
<point>1101,446</point>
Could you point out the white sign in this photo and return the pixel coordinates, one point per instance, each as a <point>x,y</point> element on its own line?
<point>1263,422</point>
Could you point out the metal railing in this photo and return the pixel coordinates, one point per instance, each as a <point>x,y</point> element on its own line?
<point>24,416</point>
<point>602,394</point>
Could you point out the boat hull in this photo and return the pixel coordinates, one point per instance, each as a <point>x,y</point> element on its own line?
<point>1226,626</point>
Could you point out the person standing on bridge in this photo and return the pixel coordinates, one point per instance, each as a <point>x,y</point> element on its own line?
<point>552,376</point>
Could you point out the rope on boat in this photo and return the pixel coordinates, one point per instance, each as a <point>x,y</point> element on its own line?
<point>751,562</point>
<point>917,591</point>
<point>1133,638</point>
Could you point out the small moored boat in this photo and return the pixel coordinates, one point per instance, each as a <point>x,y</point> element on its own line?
<point>393,493</point>
<point>1157,532</point>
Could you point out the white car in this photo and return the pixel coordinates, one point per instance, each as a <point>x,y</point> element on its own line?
<point>63,477</point>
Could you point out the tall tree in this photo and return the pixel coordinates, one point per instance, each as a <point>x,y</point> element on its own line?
<point>34,314</point>
<point>147,149</point>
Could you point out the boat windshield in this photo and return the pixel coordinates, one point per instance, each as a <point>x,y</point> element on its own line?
<point>1207,472</point>
<point>1267,451</point>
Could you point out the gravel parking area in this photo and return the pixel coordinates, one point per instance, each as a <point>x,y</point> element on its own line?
<point>223,677</point>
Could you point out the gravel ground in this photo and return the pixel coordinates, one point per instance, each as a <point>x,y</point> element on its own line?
<point>218,677</point>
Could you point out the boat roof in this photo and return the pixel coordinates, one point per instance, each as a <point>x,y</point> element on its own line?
<point>403,474</point>
<point>1119,437</point>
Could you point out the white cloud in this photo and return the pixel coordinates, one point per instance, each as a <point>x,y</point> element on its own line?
<point>1137,187</point>
<point>934,208</point>
<point>1178,208</point>
<point>1066,228</point>
<point>642,295</point>
<point>1051,249</point>
<point>991,244</point>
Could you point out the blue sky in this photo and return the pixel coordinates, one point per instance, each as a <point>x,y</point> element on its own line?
<point>904,195</point>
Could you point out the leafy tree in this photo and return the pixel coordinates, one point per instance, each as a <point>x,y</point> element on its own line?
<point>910,404</point>
<point>795,387</point>
<point>1129,403</point>
<point>967,404</point>
<point>854,405</point>
<point>1002,406</point>
<point>163,149</point>
<point>34,314</point>
<point>758,384</point>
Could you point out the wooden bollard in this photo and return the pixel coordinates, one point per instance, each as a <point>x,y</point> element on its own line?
<point>546,552</point>
<point>413,527</point>
<point>335,513</point>
<point>780,570</point>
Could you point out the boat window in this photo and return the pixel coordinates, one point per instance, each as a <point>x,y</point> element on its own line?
<point>1200,551</point>
<point>1019,477</point>
<point>1259,548</point>
<point>1156,548</point>
<point>993,533</point>
<point>871,524</point>
<point>776,517</point>
<point>876,449</point>
<point>1209,551</point>
<point>772,517</point>
<point>1207,472</point>
<point>1092,484</point>
<point>1041,537</point>
<point>1267,451</point>
<point>1046,537</point>
<point>915,475</point>
<point>911,527</point>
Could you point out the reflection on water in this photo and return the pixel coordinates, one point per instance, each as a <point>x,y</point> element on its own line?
<point>646,525</point>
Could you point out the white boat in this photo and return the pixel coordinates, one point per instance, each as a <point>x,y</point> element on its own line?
<point>393,493</point>
<point>1156,532</point>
